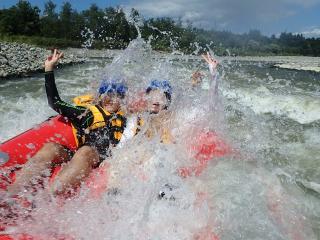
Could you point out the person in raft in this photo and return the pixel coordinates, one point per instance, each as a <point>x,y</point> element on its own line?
<point>97,127</point>
<point>196,78</point>
<point>155,100</point>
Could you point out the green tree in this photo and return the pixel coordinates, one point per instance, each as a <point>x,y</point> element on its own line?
<point>50,20</point>
<point>94,20</point>
<point>122,27</point>
<point>50,10</point>
<point>22,19</point>
<point>66,21</point>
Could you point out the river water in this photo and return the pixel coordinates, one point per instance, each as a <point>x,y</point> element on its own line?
<point>270,189</point>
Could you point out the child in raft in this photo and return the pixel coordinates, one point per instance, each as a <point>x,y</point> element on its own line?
<point>97,128</point>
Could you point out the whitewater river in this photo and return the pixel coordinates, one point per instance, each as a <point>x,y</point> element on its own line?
<point>270,189</point>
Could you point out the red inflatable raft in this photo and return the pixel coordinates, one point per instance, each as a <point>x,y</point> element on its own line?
<point>19,149</point>
<point>16,151</point>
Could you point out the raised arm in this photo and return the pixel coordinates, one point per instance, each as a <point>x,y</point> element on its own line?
<point>213,92</point>
<point>212,64</point>
<point>74,113</point>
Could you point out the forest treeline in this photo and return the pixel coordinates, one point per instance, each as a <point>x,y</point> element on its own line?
<point>112,28</point>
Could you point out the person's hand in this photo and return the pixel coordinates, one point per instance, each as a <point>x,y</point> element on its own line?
<point>196,78</point>
<point>197,74</point>
<point>212,62</point>
<point>52,60</point>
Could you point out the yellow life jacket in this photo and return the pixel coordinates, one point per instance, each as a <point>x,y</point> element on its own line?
<point>101,118</point>
<point>140,123</point>
<point>83,100</point>
<point>165,135</point>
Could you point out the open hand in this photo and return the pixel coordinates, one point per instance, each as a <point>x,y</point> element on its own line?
<point>52,60</point>
<point>212,62</point>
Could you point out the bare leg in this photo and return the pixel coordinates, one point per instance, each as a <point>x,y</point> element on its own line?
<point>76,170</point>
<point>38,165</point>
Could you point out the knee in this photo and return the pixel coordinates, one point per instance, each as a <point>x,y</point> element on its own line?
<point>49,151</point>
<point>87,153</point>
<point>51,148</point>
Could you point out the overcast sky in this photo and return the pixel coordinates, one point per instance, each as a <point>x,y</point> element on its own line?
<point>269,16</point>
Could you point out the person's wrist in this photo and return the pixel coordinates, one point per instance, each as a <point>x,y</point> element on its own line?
<point>48,68</point>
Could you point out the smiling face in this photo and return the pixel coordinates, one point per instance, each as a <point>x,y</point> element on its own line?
<point>111,102</point>
<point>157,101</point>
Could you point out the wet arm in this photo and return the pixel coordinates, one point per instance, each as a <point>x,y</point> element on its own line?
<point>75,114</point>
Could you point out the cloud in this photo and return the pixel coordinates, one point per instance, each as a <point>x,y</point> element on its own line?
<point>311,32</point>
<point>235,15</point>
<point>304,3</point>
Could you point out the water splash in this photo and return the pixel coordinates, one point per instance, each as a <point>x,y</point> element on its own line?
<point>88,36</point>
<point>229,194</point>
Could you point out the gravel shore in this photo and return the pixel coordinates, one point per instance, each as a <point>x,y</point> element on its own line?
<point>20,60</point>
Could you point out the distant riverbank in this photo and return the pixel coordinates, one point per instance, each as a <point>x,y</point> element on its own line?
<point>20,60</point>
<point>288,62</point>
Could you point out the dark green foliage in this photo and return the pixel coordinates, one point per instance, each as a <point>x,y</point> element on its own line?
<point>109,28</point>
<point>49,21</point>
<point>20,19</point>
<point>41,41</point>
<point>70,23</point>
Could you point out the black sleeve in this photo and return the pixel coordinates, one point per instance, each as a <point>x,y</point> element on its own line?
<point>79,116</point>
